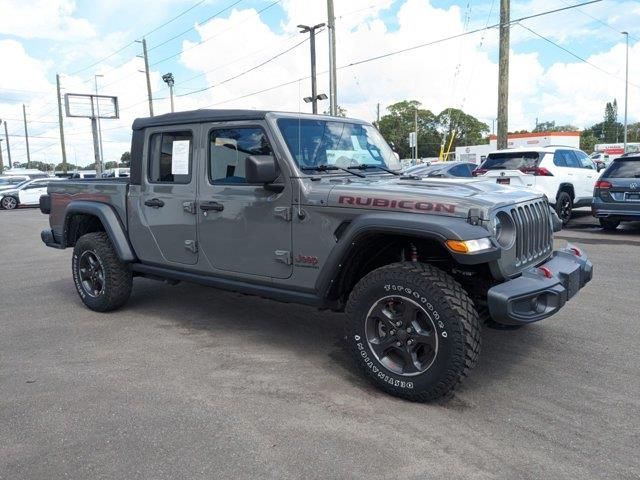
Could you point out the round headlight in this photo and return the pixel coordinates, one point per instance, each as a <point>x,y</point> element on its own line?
<point>504,230</point>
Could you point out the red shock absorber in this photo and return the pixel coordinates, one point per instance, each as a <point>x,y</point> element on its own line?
<point>414,253</point>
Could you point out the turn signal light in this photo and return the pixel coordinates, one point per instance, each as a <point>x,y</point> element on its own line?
<point>537,171</point>
<point>469,246</point>
<point>603,184</point>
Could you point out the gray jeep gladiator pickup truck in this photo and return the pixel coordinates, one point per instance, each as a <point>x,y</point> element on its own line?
<point>313,210</point>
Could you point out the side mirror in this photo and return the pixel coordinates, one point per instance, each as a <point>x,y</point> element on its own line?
<point>260,169</point>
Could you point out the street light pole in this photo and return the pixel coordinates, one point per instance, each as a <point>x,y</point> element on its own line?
<point>312,37</point>
<point>6,136</point>
<point>626,90</point>
<point>169,80</point>
<point>333,93</point>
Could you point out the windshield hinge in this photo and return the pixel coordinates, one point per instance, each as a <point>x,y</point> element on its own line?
<point>191,245</point>
<point>282,212</point>
<point>283,256</point>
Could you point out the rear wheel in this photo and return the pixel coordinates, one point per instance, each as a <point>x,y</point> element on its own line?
<point>608,224</point>
<point>412,330</point>
<point>564,206</point>
<point>9,202</point>
<point>102,280</point>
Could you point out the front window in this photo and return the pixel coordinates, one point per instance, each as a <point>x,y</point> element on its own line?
<point>316,143</point>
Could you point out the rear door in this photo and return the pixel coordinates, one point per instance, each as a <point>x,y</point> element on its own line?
<point>166,202</point>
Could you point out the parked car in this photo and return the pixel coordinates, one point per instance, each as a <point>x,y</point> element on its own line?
<point>566,175</point>
<point>616,196</point>
<point>443,169</point>
<point>26,194</point>
<point>12,181</point>
<point>250,201</point>
<point>25,172</point>
<point>116,173</point>
<point>84,174</point>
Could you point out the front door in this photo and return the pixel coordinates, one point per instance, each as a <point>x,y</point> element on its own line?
<point>167,195</point>
<point>30,194</point>
<point>242,228</point>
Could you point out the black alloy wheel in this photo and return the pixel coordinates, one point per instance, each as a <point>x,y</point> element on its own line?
<point>91,274</point>
<point>564,206</point>
<point>401,335</point>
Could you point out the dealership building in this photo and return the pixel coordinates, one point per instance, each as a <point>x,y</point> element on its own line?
<point>477,153</point>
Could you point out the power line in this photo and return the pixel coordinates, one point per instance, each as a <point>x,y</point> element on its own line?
<point>255,67</point>
<point>602,22</point>
<point>217,35</point>
<point>574,55</point>
<point>124,47</point>
<point>194,27</point>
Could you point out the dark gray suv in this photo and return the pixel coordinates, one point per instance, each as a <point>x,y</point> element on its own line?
<point>616,197</point>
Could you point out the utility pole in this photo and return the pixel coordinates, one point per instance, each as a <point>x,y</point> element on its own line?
<point>146,72</point>
<point>378,114</point>
<point>333,94</point>
<point>314,87</point>
<point>64,152</point>
<point>626,90</point>
<point>503,76</point>
<point>6,136</point>
<point>1,160</point>
<point>415,122</point>
<point>26,134</point>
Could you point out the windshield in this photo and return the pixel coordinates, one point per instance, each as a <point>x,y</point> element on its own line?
<point>511,161</point>
<point>313,143</point>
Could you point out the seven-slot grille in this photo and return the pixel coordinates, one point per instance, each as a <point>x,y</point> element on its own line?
<point>534,234</point>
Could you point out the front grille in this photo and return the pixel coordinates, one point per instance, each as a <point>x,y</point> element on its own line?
<point>534,235</point>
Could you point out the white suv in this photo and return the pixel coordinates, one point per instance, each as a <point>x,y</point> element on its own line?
<point>26,193</point>
<point>566,175</point>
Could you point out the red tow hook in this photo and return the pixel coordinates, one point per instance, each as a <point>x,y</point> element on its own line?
<point>546,272</point>
<point>576,251</point>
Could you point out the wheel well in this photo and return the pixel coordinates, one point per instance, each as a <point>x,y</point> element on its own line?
<point>567,187</point>
<point>80,224</point>
<point>372,251</point>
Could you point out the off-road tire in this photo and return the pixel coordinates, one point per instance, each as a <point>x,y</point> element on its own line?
<point>117,277</point>
<point>452,312</point>
<point>564,207</point>
<point>608,224</point>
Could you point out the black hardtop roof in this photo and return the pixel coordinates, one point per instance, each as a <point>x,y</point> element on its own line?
<point>196,116</point>
<point>217,115</point>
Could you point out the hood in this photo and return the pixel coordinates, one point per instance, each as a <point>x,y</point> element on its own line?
<point>8,191</point>
<point>452,197</point>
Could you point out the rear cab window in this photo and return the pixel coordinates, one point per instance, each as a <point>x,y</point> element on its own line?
<point>623,168</point>
<point>512,161</point>
<point>170,157</point>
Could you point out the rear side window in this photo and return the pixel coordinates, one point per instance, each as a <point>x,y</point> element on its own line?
<point>566,158</point>
<point>511,161</point>
<point>460,171</point>
<point>623,168</point>
<point>170,157</point>
<point>228,150</point>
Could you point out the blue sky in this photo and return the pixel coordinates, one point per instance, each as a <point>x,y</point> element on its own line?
<point>40,38</point>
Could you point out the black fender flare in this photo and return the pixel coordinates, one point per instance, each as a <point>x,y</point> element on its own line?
<point>432,227</point>
<point>110,221</point>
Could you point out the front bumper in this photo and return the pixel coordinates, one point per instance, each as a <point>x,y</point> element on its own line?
<point>540,291</point>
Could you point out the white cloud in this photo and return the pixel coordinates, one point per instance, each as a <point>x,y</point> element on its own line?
<point>50,19</point>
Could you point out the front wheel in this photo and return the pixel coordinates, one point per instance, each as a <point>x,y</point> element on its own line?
<point>102,280</point>
<point>564,206</point>
<point>9,203</point>
<point>413,330</point>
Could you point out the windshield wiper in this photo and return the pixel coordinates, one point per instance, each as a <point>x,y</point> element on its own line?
<point>328,168</point>
<point>365,166</point>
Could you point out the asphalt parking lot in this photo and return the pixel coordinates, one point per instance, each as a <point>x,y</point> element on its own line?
<point>191,382</point>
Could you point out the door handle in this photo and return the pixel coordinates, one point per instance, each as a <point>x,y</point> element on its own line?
<point>154,202</point>
<point>208,206</point>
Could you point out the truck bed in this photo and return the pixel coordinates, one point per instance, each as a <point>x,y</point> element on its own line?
<point>112,191</point>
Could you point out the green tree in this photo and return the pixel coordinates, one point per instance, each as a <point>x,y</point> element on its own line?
<point>108,165</point>
<point>125,159</point>
<point>396,126</point>
<point>552,127</point>
<point>468,129</point>
<point>588,141</point>
<point>342,112</point>
<point>609,130</point>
